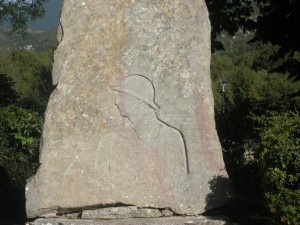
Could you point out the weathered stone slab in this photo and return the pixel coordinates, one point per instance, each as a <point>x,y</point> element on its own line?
<point>111,213</point>
<point>140,221</point>
<point>148,213</point>
<point>131,120</point>
<point>167,213</point>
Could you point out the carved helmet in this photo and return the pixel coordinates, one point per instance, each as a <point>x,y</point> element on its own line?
<point>139,87</point>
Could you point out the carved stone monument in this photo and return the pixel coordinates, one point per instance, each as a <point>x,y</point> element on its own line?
<point>131,121</point>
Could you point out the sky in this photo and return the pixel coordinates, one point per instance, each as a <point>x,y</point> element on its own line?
<point>51,18</point>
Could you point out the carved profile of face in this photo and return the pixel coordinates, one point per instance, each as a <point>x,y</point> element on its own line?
<point>127,105</point>
<point>136,96</point>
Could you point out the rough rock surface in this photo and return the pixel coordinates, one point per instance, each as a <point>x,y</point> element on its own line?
<point>140,221</point>
<point>131,120</point>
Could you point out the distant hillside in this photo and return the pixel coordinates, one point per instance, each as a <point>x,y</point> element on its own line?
<point>36,40</point>
<point>51,17</point>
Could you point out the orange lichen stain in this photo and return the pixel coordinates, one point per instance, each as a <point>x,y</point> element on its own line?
<point>103,125</point>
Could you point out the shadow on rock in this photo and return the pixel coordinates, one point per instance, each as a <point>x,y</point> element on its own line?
<point>221,193</point>
<point>220,198</point>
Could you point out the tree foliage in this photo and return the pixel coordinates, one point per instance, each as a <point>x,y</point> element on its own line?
<point>278,23</point>
<point>229,16</point>
<point>20,132</point>
<point>31,73</point>
<point>19,140</point>
<point>274,21</point>
<point>251,83</point>
<point>25,85</point>
<point>279,157</point>
<point>7,94</point>
<point>20,12</point>
<point>252,90</point>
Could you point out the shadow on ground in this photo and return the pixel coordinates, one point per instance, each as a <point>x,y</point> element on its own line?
<point>220,197</point>
<point>236,210</point>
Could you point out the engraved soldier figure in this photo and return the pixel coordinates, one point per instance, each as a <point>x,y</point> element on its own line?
<point>137,103</point>
<point>146,147</point>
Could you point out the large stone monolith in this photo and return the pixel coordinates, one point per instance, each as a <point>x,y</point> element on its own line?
<point>131,121</point>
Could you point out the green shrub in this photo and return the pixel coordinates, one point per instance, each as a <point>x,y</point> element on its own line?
<point>280,164</point>
<point>19,133</point>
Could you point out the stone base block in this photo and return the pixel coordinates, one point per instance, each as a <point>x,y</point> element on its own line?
<point>199,220</point>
